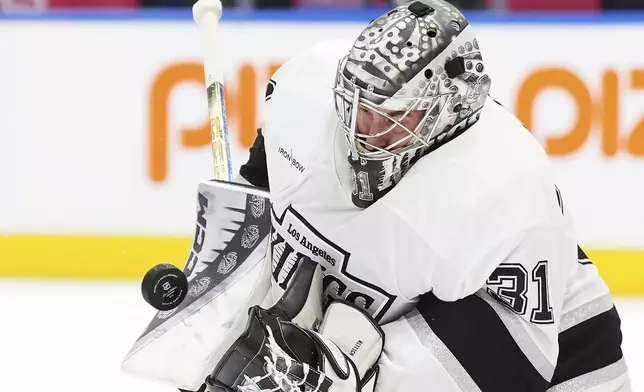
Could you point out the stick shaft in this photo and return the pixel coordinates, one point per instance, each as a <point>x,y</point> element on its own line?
<point>206,14</point>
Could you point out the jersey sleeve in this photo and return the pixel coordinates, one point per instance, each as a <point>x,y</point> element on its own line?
<point>494,295</point>
<point>527,289</point>
<point>510,302</point>
<point>507,335</point>
<point>523,278</point>
<point>518,289</point>
<point>515,333</point>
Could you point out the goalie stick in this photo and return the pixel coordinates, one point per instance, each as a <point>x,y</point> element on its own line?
<point>164,286</point>
<point>227,270</point>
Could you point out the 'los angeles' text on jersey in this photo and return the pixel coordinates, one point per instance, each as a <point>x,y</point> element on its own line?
<point>293,239</point>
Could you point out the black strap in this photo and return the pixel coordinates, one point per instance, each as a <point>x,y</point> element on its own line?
<point>254,170</point>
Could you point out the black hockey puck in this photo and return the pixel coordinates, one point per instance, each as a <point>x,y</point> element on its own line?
<point>164,287</point>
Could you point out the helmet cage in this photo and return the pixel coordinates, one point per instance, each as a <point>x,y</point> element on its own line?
<point>350,98</point>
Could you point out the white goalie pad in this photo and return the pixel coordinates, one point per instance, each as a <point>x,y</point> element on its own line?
<point>228,271</point>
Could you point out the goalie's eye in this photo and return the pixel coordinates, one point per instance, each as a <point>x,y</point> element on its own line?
<point>364,114</point>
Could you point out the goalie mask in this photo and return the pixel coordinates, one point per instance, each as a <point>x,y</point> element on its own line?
<point>413,80</point>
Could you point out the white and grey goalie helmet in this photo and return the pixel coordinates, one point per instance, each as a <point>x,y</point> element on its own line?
<point>422,55</point>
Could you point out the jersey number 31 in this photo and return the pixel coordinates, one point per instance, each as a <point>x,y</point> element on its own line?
<point>512,282</point>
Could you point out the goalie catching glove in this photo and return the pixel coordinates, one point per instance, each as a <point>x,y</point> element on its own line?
<point>277,355</point>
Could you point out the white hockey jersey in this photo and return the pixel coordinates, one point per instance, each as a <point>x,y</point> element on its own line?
<point>470,263</point>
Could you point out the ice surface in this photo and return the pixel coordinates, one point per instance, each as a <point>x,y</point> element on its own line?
<point>72,337</point>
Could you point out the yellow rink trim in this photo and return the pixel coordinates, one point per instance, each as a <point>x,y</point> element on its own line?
<point>79,256</point>
<point>129,258</point>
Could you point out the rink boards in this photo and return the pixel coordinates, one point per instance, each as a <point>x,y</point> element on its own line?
<point>103,135</point>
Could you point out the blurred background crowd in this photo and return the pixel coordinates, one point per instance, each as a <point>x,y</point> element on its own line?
<point>498,5</point>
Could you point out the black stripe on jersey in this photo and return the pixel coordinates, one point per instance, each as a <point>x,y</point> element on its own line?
<point>559,199</point>
<point>478,339</point>
<point>590,345</point>
<point>255,169</point>
<point>270,87</point>
<point>581,255</point>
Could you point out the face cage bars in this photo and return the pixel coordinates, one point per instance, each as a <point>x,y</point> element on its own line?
<point>358,142</point>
